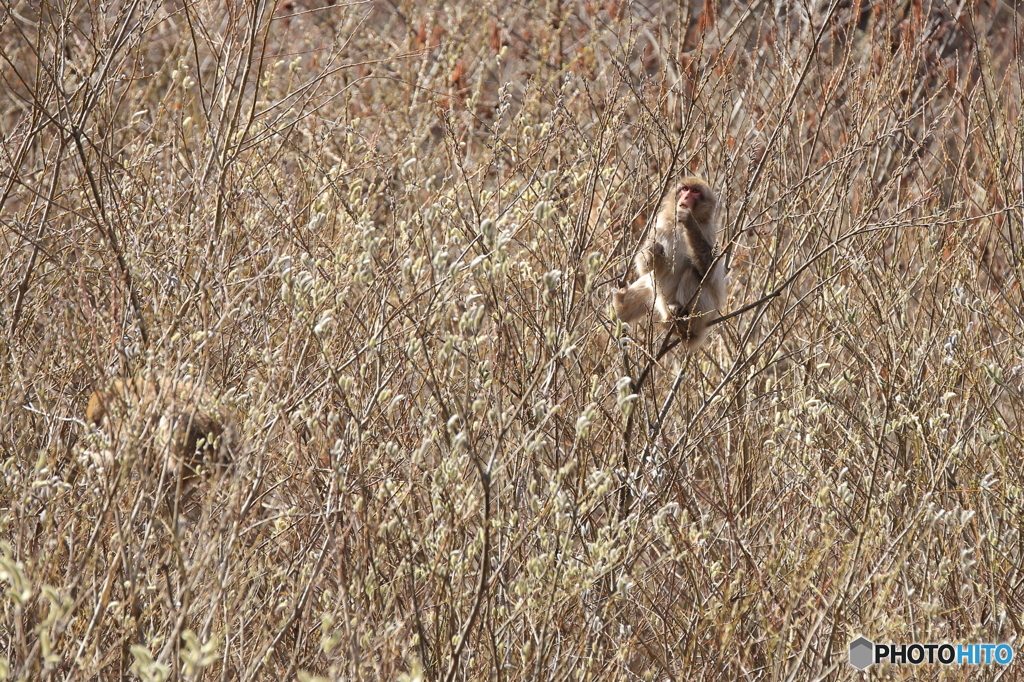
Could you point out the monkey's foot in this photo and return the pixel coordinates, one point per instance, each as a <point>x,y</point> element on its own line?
<point>690,327</point>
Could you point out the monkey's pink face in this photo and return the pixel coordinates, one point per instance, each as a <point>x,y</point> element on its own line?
<point>688,196</point>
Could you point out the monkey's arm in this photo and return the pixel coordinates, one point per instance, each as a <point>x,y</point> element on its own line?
<point>636,301</point>
<point>702,251</point>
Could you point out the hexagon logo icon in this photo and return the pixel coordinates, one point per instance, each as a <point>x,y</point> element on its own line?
<point>862,652</point>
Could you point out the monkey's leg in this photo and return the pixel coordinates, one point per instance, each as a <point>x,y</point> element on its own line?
<point>692,329</point>
<point>635,302</point>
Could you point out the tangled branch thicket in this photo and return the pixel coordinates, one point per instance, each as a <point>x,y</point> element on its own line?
<point>383,235</point>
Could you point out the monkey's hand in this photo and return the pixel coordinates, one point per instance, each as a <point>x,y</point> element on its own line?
<point>657,252</point>
<point>652,258</point>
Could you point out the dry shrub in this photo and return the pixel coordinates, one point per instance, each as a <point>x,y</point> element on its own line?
<point>385,234</point>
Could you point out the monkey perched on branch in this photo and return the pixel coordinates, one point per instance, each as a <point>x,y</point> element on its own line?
<point>680,281</point>
<point>182,432</point>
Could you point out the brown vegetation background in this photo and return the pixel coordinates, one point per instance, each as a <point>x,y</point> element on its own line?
<point>383,235</point>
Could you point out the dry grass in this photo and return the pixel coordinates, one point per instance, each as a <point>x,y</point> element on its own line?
<point>384,235</point>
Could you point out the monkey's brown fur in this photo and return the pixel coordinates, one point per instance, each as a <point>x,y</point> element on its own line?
<point>679,282</point>
<point>184,432</point>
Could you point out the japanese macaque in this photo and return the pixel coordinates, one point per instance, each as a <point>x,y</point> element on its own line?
<point>680,280</point>
<point>174,426</point>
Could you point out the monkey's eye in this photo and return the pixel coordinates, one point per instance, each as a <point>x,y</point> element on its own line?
<point>684,188</point>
